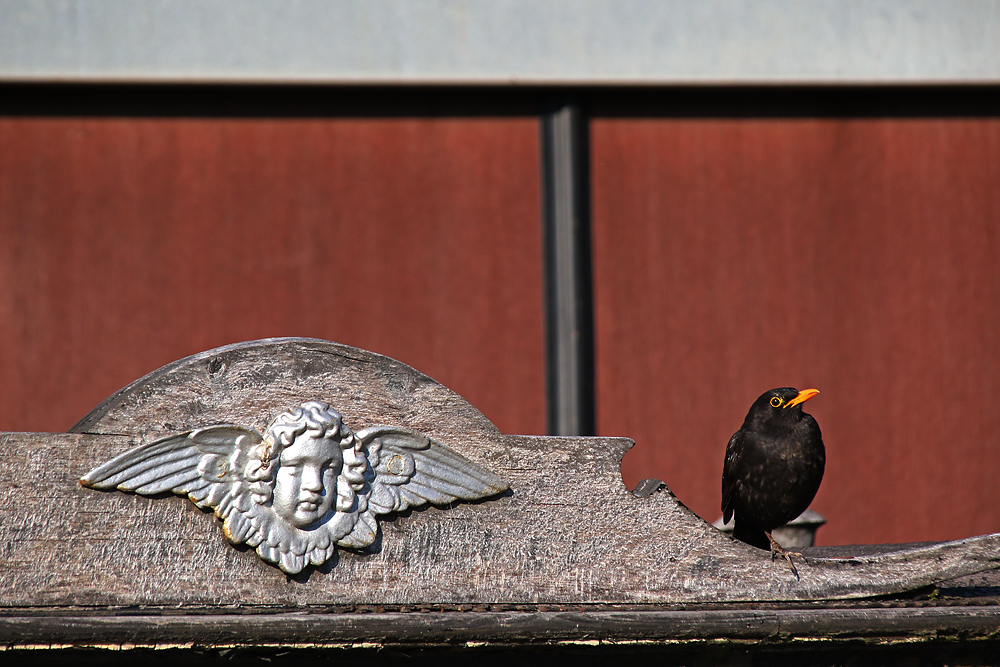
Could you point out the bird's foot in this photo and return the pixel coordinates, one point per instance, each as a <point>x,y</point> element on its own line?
<point>785,553</point>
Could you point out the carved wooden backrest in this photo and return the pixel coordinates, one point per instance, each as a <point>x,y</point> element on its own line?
<point>432,503</point>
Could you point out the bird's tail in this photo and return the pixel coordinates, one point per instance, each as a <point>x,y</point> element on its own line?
<point>750,534</point>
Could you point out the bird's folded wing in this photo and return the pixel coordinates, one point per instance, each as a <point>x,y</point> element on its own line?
<point>410,470</point>
<point>730,480</point>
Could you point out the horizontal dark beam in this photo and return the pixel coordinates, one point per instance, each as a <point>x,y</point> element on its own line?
<point>322,101</point>
<point>908,624</point>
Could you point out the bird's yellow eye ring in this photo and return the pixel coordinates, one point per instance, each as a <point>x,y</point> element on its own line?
<point>776,402</point>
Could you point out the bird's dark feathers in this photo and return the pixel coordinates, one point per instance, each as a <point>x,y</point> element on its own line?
<point>774,465</point>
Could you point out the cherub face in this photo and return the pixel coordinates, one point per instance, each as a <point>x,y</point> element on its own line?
<point>305,483</point>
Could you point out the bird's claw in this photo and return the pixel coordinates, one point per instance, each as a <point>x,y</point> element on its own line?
<point>777,549</point>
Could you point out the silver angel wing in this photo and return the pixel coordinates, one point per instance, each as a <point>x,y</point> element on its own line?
<point>206,465</point>
<point>409,469</point>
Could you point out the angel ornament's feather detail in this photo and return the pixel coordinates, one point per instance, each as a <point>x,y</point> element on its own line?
<point>308,485</point>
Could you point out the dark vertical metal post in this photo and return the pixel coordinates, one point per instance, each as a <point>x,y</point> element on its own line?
<point>567,271</point>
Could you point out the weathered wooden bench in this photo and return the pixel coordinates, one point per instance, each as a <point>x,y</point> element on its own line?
<point>560,557</point>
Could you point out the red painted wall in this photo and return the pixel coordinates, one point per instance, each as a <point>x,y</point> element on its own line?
<point>730,256</point>
<point>859,257</point>
<point>129,243</point>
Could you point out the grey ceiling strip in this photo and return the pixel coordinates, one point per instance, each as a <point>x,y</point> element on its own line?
<point>503,42</point>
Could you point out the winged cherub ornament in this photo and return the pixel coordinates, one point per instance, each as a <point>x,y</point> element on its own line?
<point>305,487</point>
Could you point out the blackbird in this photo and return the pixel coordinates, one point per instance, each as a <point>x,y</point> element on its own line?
<point>774,465</point>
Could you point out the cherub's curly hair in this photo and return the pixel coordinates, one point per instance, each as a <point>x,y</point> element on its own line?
<point>322,421</point>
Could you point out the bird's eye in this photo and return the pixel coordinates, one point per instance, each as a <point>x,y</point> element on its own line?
<point>776,402</point>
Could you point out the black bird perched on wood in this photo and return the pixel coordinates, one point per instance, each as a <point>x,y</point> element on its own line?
<point>774,465</point>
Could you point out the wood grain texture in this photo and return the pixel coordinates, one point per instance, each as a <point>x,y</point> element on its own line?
<point>298,628</point>
<point>569,531</point>
<point>249,383</point>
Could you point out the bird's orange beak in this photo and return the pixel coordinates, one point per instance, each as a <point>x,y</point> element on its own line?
<point>802,397</point>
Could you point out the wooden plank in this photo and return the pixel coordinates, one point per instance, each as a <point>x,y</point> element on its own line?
<point>292,629</point>
<point>567,532</point>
